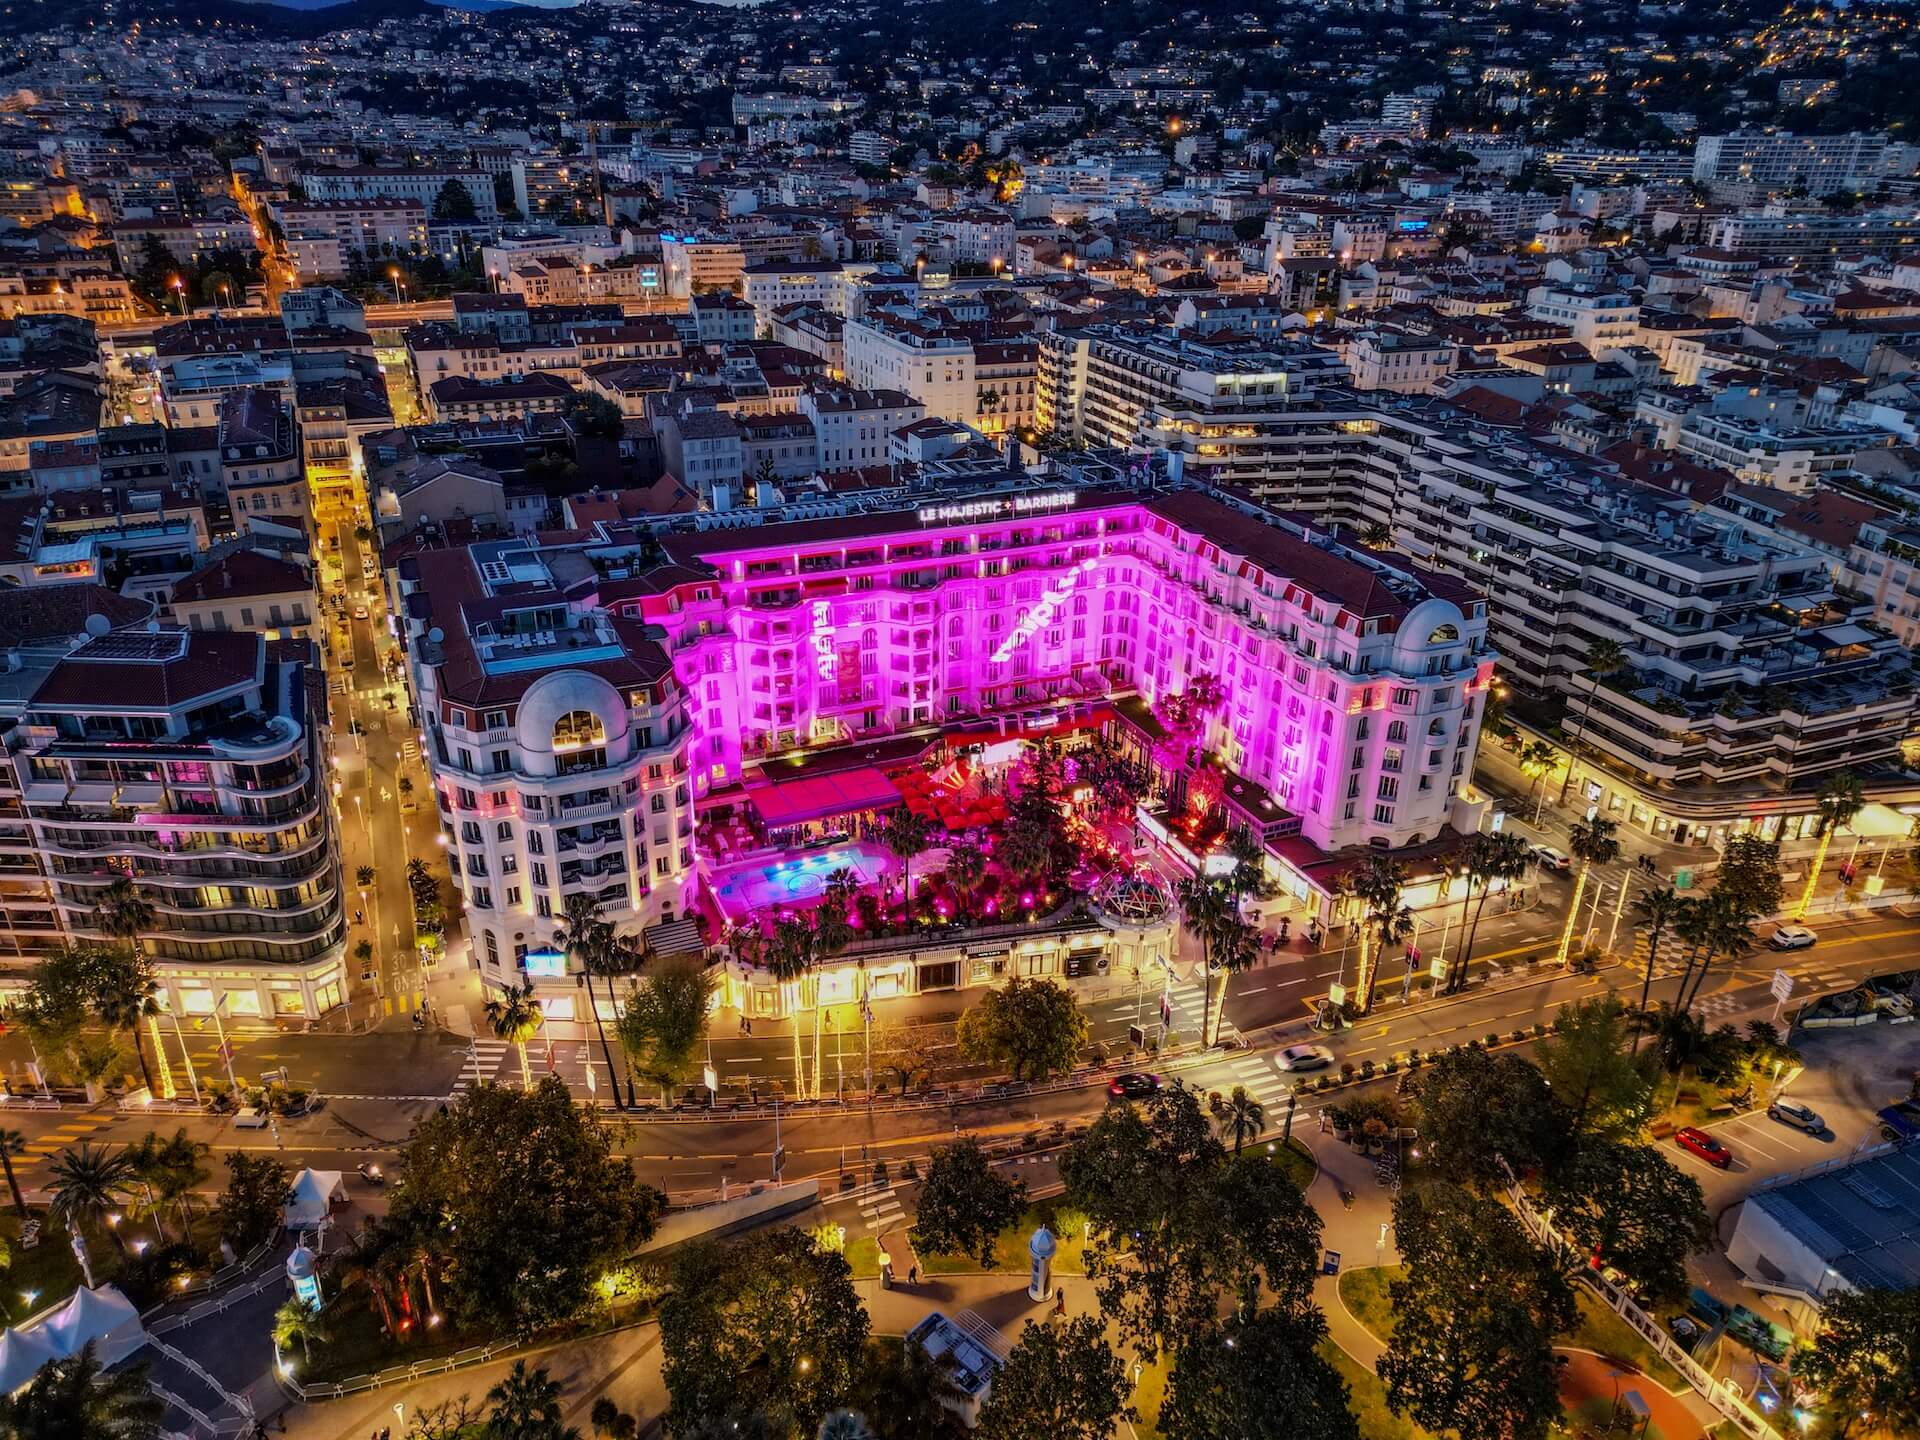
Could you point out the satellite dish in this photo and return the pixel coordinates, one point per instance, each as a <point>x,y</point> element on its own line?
<point>436,635</point>
<point>98,625</point>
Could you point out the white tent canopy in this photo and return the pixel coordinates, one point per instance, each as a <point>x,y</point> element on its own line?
<point>22,1353</point>
<point>103,1316</point>
<point>314,1192</point>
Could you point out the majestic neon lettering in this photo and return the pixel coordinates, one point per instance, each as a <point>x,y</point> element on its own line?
<point>1041,615</point>
<point>1015,505</point>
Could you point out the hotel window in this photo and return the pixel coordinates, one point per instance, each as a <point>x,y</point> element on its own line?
<point>1383,814</point>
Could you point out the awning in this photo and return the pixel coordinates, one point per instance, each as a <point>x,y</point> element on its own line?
<point>814,797</point>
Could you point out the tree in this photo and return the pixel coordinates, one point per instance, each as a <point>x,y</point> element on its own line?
<point>1476,1316</point>
<point>1242,1118</point>
<point>1062,1381</point>
<point>519,1196</point>
<point>125,994</point>
<point>87,1183</point>
<point>965,1203</point>
<point>769,1323</point>
<point>1604,658</point>
<point>593,417</point>
<point>666,1020</point>
<point>1839,800</point>
<point>1715,925</point>
<point>906,1394</point>
<point>589,941</point>
<point>1177,1225</point>
<point>515,1016</point>
<point>966,871</point>
<point>1537,759</point>
<point>789,956</point>
<point>454,202</point>
<point>1228,944</point>
<point>1750,874</point>
<point>906,835</point>
<point>13,1143</point>
<point>297,1321</point>
<point>1587,1067</point>
<point>1377,884</point>
<point>1628,1206</point>
<point>1503,856</point>
<point>909,1051</point>
<point>74,1399</point>
<point>169,1170</point>
<point>1659,911</point>
<point>1474,1110</point>
<point>59,999</point>
<point>1865,1360</point>
<point>525,1405</point>
<point>1593,844</point>
<point>254,1202</point>
<point>1258,1378</point>
<point>1032,1028</point>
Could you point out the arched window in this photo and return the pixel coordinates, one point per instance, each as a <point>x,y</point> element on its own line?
<point>578,729</point>
<point>1444,635</point>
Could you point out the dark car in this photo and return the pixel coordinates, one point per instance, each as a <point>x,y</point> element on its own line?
<point>1901,1121</point>
<point>1134,1085</point>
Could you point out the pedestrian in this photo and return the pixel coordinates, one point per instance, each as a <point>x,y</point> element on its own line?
<point>913,1273</point>
<point>749,1028</point>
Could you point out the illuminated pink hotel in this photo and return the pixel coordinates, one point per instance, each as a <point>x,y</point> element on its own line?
<point>589,702</point>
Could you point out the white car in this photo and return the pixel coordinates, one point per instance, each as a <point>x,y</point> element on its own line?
<point>1790,1112</point>
<point>359,612</point>
<point>1791,937</point>
<point>1304,1057</point>
<point>1548,858</point>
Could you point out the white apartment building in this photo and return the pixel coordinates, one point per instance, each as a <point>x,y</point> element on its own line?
<point>1780,160</point>
<point>854,426</point>
<point>373,227</point>
<point>1405,364</point>
<point>933,363</point>
<point>1761,452</point>
<point>976,237</point>
<point>557,740</point>
<point>779,283</point>
<point>380,182</point>
<point>1599,319</point>
<point>695,265</point>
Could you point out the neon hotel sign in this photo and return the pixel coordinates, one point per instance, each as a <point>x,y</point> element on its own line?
<point>1043,611</point>
<point>1004,505</point>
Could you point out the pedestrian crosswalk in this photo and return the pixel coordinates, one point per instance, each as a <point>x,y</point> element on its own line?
<point>483,1063</point>
<point>69,1132</point>
<point>1260,1077</point>
<point>882,1210</point>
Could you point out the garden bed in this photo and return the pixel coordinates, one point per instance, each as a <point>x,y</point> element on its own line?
<point>1010,1249</point>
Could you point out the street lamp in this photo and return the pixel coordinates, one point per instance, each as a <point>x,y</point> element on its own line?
<point>180,295</point>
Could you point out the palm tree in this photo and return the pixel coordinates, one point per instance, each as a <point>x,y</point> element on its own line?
<point>524,1405</point>
<point>297,1320</point>
<point>1242,1118</point>
<point>370,1263</point>
<point>74,1399</point>
<point>845,1425</point>
<point>789,959</point>
<point>1660,911</point>
<point>1840,799</point>
<point>12,1143</point>
<point>1604,658</point>
<point>1593,844</point>
<point>89,1182</point>
<point>1725,932</point>
<point>128,994</point>
<point>1505,857</point>
<point>587,938</point>
<point>1212,912</point>
<point>516,1016</point>
<point>906,835</point>
<point>966,870</point>
<point>1537,759</point>
<point>1377,883</point>
<point>124,913</point>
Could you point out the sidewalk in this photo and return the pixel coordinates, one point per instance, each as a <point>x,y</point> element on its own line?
<point>625,1366</point>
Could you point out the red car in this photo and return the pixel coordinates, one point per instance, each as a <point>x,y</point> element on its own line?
<point>1699,1143</point>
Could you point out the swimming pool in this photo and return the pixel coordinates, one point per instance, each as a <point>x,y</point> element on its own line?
<point>769,885</point>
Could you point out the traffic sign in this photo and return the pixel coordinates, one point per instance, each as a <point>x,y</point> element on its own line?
<point>1782,985</point>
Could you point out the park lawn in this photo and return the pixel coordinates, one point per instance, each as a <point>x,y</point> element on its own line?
<point>1296,1159</point>
<point>48,1271</point>
<point>863,1257</point>
<point>1367,1398</point>
<point>356,1345</point>
<point>1364,1292</point>
<point>1149,1394</point>
<point>1605,1333</point>
<point>1010,1249</point>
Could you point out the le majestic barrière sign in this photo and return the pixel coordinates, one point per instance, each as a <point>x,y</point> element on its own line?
<point>999,506</point>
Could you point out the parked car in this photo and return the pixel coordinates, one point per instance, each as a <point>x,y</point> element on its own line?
<point>1304,1057</point>
<point>1703,1146</point>
<point>1791,1112</point>
<point>1901,1121</point>
<point>1134,1085</point>
<point>1548,857</point>
<point>1791,937</point>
